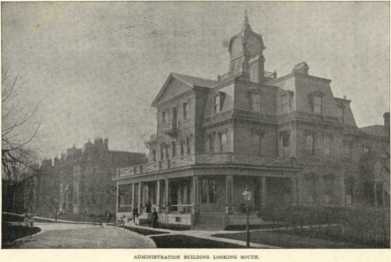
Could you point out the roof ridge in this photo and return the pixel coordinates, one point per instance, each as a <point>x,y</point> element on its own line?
<point>185,75</point>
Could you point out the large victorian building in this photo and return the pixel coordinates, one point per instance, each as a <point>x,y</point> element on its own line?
<point>287,140</point>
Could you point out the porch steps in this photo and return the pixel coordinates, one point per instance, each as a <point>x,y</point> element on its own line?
<point>210,221</point>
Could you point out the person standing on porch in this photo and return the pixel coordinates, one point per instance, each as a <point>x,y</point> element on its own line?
<point>135,215</point>
<point>154,218</point>
<point>148,206</point>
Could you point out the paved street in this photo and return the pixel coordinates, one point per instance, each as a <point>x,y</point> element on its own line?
<point>84,236</point>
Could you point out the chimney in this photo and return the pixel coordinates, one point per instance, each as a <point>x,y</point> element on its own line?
<point>386,117</point>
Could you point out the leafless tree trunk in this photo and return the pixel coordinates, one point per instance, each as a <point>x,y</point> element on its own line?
<point>16,155</point>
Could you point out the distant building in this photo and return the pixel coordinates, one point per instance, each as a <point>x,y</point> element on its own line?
<point>79,183</point>
<point>287,140</point>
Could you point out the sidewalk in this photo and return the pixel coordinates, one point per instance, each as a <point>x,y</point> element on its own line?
<point>203,234</point>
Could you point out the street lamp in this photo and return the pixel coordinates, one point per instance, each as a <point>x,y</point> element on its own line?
<point>247,197</point>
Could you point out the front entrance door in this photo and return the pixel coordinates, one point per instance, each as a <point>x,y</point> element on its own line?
<point>212,194</point>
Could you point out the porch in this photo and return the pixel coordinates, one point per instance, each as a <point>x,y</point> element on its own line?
<point>205,200</point>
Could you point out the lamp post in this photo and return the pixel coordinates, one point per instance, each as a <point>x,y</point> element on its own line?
<point>247,197</point>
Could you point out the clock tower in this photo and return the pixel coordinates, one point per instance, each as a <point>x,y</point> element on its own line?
<point>246,54</point>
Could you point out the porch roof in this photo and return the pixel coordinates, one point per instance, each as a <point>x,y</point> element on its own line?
<point>213,169</point>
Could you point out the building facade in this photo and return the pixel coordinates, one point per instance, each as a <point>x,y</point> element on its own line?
<point>77,184</point>
<point>252,138</point>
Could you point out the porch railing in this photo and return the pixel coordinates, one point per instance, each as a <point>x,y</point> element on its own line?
<point>181,208</point>
<point>210,158</point>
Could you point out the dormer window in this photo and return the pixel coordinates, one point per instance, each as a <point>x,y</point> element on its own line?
<point>341,112</point>
<point>285,103</point>
<point>316,100</point>
<point>317,104</point>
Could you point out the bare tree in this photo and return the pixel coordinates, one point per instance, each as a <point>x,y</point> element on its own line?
<point>15,134</point>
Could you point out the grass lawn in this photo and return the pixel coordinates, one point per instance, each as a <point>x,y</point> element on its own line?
<point>181,241</point>
<point>289,239</point>
<point>9,233</point>
<point>336,233</point>
<point>75,236</point>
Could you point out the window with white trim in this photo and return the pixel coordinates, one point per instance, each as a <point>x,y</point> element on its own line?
<point>285,103</point>
<point>218,102</point>
<point>310,143</point>
<point>255,101</point>
<point>317,104</point>
<point>185,110</point>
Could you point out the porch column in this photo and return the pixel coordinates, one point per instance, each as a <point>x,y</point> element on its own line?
<point>133,195</point>
<point>228,193</point>
<point>195,195</point>
<point>158,195</point>
<point>179,198</point>
<point>139,197</point>
<point>264,192</point>
<point>116,198</point>
<point>185,199</point>
<point>146,194</point>
<point>167,202</point>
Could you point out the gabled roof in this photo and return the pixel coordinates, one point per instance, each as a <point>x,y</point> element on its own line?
<point>189,81</point>
<point>375,130</point>
<point>195,81</point>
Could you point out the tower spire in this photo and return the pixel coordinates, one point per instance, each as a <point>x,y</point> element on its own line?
<point>246,22</point>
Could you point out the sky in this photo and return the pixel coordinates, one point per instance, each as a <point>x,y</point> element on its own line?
<point>95,67</point>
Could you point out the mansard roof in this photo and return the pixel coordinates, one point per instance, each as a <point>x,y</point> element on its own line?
<point>189,81</point>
